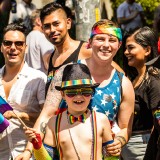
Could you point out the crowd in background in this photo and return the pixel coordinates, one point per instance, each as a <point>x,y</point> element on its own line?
<point>36,45</point>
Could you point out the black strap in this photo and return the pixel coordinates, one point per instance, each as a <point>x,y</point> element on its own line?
<point>50,62</point>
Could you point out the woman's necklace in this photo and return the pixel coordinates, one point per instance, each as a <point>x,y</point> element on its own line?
<point>139,81</point>
<point>92,147</point>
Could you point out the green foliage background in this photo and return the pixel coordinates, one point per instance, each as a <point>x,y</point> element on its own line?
<point>147,5</point>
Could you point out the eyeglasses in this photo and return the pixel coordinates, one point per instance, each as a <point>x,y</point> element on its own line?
<point>18,44</point>
<point>83,91</point>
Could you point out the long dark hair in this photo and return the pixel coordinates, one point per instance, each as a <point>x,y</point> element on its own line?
<point>144,36</point>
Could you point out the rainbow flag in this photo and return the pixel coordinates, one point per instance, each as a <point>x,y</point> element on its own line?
<point>4,106</point>
<point>3,123</point>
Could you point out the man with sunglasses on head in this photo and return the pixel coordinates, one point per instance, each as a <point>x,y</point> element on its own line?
<point>22,87</point>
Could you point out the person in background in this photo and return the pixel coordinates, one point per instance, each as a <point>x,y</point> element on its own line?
<point>22,87</point>
<point>130,15</point>
<point>39,48</point>
<point>141,47</point>
<point>23,12</point>
<point>75,119</point>
<point>153,146</point>
<point>156,24</point>
<point>56,24</point>
<point>105,41</point>
<point>156,20</point>
<point>5,7</point>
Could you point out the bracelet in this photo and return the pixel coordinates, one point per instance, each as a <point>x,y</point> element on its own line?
<point>29,150</point>
<point>121,137</point>
<point>120,141</point>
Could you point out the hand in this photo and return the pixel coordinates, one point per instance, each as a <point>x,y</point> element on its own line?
<point>30,133</point>
<point>24,156</point>
<point>115,148</point>
<point>9,115</point>
<point>33,137</point>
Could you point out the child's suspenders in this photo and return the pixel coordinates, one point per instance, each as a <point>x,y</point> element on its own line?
<point>94,135</point>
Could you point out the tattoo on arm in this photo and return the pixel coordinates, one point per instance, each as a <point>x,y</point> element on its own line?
<point>43,126</point>
<point>54,96</point>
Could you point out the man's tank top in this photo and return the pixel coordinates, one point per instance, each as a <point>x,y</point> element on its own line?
<point>51,70</point>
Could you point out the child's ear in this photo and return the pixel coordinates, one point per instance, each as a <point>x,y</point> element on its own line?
<point>62,93</point>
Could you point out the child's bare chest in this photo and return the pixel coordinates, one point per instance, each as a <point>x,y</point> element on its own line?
<point>77,140</point>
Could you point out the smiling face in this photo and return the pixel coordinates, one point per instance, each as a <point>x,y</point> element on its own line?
<point>135,53</point>
<point>13,54</point>
<point>104,46</point>
<point>77,99</point>
<point>55,26</point>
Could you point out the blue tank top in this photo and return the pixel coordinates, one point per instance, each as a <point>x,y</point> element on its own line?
<point>106,99</point>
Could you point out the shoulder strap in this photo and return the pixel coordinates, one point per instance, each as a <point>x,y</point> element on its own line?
<point>77,51</point>
<point>57,129</point>
<point>120,78</point>
<point>50,62</point>
<point>79,47</point>
<point>94,132</point>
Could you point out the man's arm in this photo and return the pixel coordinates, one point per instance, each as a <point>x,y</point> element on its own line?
<point>28,118</point>
<point>50,107</point>
<point>126,111</point>
<point>125,20</point>
<point>125,115</point>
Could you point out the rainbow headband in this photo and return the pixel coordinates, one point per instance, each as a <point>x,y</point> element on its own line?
<point>102,29</point>
<point>76,82</point>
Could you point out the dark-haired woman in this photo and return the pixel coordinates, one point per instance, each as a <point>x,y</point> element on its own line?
<point>141,47</point>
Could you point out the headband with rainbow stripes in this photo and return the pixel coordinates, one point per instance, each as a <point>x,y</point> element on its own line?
<point>76,82</point>
<point>108,30</point>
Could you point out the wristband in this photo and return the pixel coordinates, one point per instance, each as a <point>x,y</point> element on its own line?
<point>29,150</point>
<point>37,142</point>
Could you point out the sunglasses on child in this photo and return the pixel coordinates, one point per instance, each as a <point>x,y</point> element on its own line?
<point>82,91</point>
<point>18,44</point>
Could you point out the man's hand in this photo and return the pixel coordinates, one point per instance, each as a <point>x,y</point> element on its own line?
<point>9,115</point>
<point>26,155</point>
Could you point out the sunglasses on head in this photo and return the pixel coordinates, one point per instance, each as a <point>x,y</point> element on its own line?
<point>18,44</point>
<point>82,91</point>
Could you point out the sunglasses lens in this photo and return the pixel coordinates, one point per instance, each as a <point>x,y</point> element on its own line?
<point>18,44</point>
<point>87,93</point>
<point>7,43</point>
<point>83,91</point>
<point>71,94</point>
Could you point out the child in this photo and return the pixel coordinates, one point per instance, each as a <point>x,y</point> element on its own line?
<point>77,133</point>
